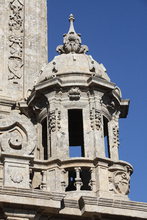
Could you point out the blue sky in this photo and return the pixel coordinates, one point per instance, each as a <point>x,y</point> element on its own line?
<point>116,34</point>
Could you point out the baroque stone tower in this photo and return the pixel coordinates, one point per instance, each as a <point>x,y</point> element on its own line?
<point>59,126</point>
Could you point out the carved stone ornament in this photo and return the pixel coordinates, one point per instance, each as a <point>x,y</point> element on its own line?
<point>16,38</point>
<point>54,120</point>
<point>74,94</point>
<point>115,131</point>
<point>119,181</point>
<point>16,177</point>
<point>110,103</point>
<point>96,119</point>
<point>17,135</point>
<point>72,41</point>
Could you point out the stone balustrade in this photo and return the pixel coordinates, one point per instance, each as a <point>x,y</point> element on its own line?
<point>80,175</point>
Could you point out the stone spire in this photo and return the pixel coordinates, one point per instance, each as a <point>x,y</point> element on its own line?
<point>71,41</point>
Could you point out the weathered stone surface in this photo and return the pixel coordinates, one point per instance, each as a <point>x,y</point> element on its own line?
<point>23,43</point>
<point>17,135</point>
<point>68,103</point>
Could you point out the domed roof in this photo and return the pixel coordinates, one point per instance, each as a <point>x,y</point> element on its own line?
<point>72,59</point>
<point>73,63</point>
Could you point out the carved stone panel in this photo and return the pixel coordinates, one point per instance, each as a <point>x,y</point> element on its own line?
<point>16,40</point>
<point>113,132</point>
<point>74,94</point>
<point>16,173</point>
<point>119,180</point>
<point>17,135</point>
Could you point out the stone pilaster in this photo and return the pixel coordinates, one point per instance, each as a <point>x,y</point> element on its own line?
<point>113,131</point>
<point>23,45</point>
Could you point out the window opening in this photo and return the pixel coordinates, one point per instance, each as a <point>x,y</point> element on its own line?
<point>75,130</point>
<point>44,139</point>
<point>106,138</point>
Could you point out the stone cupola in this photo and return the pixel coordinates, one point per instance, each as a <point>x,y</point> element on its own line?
<point>77,109</point>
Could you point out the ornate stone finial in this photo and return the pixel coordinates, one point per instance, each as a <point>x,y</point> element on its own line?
<point>71,20</point>
<point>72,41</point>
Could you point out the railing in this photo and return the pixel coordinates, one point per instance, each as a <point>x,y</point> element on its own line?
<point>72,175</point>
<point>80,175</point>
<point>79,178</point>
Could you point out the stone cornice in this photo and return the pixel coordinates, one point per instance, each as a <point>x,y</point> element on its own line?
<point>110,206</point>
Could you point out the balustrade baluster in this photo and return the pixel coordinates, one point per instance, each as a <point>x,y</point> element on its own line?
<point>78,180</point>
<point>63,181</point>
<point>92,182</point>
<point>43,183</point>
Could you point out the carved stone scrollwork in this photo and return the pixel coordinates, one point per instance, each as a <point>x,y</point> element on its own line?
<point>15,138</point>
<point>74,94</point>
<point>16,38</point>
<point>96,119</point>
<point>54,120</point>
<point>17,135</point>
<point>119,181</point>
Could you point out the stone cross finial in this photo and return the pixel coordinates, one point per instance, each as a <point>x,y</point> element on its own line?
<point>71,41</point>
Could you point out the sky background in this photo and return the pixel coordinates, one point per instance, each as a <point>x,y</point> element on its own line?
<point>116,34</point>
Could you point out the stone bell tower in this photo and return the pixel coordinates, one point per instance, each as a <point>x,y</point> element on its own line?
<point>59,127</point>
<point>78,108</point>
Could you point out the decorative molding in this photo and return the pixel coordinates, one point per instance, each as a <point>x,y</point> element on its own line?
<point>96,119</point>
<point>74,94</point>
<point>16,39</point>
<point>115,131</point>
<point>54,120</point>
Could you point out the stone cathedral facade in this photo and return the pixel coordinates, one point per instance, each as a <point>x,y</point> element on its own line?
<point>59,126</point>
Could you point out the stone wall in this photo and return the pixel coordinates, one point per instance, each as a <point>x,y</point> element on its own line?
<point>23,45</point>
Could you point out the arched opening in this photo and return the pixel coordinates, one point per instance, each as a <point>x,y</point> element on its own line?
<point>75,131</point>
<point>106,137</point>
